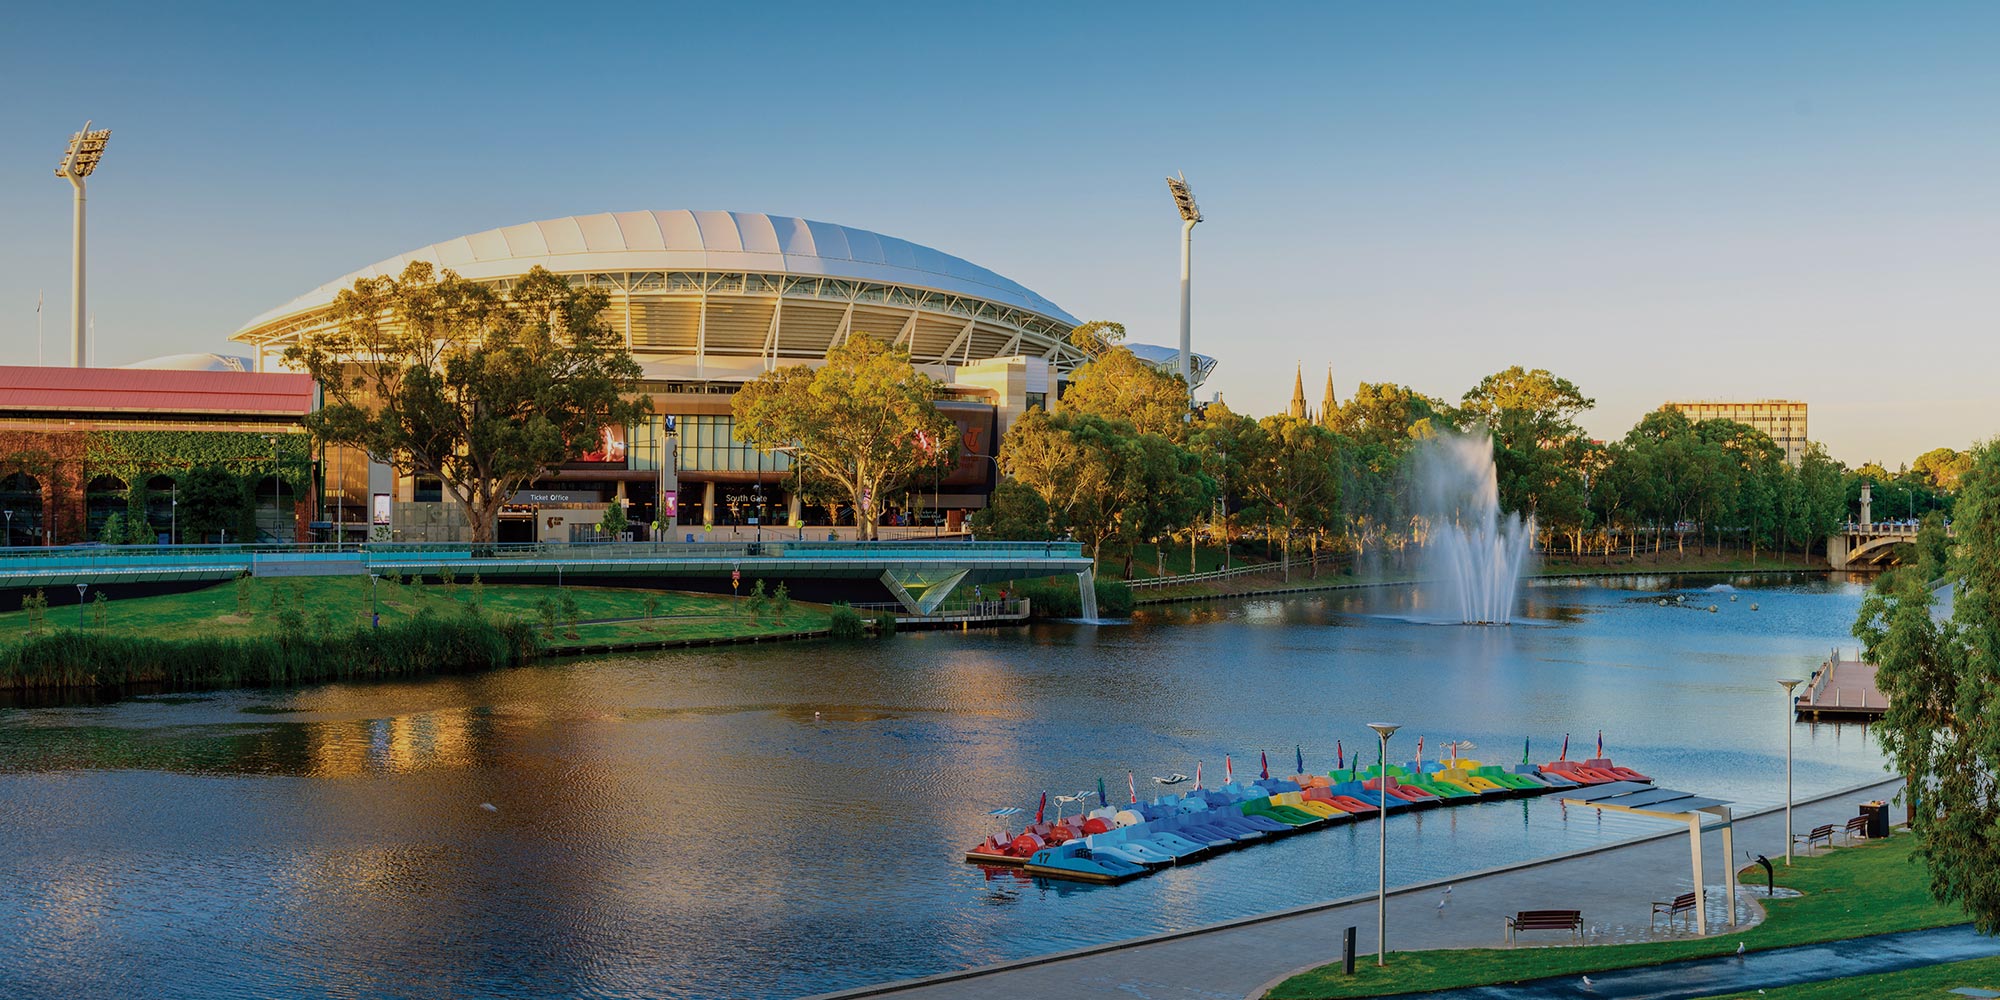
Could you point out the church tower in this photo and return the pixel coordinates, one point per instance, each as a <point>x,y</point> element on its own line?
<point>1299,393</point>
<point>1329,407</point>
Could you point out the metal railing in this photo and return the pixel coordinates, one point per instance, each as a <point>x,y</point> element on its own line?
<point>1014,607</point>
<point>391,553</point>
<point>1225,574</point>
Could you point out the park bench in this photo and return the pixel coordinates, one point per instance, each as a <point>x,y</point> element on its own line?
<point>1545,920</point>
<point>1683,903</point>
<point>1821,833</point>
<point>1857,828</point>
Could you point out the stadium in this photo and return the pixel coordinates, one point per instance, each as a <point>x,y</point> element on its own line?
<point>709,300</point>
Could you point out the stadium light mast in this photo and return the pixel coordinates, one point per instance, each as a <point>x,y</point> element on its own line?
<point>86,148</point>
<point>1190,214</point>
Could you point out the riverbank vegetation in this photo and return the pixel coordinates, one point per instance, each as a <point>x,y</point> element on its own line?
<point>256,631</point>
<point>1846,892</point>
<point>1118,469</point>
<point>1942,678</point>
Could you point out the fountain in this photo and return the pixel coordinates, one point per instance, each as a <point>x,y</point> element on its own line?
<point>1474,554</point>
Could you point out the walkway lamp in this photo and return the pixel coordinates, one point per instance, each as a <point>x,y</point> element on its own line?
<point>1788,683</point>
<point>80,588</point>
<point>174,513</point>
<point>374,609</point>
<point>86,148</point>
<point>10,529</point>
<point>1383,730</point>
<point>1190,214</point>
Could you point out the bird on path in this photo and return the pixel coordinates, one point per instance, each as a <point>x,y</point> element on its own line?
<point>1739,949</point>
<point>1588,985</point>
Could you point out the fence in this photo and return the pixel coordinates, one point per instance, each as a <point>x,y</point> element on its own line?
<point>1225,574</point>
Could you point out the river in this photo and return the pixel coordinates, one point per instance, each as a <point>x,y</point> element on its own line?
<point>774,821</point>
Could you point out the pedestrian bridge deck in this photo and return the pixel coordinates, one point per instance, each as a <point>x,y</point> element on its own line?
<point>918,572</point>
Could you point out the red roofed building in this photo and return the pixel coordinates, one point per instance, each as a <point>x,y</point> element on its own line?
<point>78,445</point>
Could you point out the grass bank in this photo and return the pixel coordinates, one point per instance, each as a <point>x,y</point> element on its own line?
<point>1928,983</point>
<point>258,631</point>
<point>1870,888</point>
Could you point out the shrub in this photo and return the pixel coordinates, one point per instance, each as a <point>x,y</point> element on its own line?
<point>1056,597</point>
<point>652,604</point>
<point>845,623</point>
<point>885,624</point>
<point>782,598</point>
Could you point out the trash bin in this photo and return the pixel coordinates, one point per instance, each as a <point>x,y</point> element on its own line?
<point>1877,815</point>
<point>690,536</point>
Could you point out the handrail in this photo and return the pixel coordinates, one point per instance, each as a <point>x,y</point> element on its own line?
<point>1223,574</point>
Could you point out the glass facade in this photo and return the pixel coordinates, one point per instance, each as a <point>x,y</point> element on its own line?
<point>708,445</point>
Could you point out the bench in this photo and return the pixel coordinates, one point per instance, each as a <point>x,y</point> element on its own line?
<point>1683,903</point>
<point>1857,829</point>
<point>1823,832</point>
<point>1545,920</point>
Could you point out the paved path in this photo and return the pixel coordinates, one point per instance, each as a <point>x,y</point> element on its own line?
<point>1758,970</point>
<point>1612,886</point>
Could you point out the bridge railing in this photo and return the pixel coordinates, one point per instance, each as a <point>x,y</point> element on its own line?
<point>24,557</point>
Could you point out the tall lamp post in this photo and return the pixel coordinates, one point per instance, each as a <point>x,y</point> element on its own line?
<point>1788,683</point>
<point>86,148</point>
<point>1383,730</point>
<point>80,588</point>
<point>1190,214</point>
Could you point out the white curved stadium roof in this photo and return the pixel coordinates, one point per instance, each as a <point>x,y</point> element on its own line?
<point>695,241</point>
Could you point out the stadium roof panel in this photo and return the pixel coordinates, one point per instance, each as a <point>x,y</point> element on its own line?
<point>694,241</point>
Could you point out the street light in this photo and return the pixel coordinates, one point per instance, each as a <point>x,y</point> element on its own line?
<point>174,513</point>
<point>1788,683</point>
<point>1190,214</point>
<point>1384,730</point>
<point>10,529</point>
<point>374,609</point>
<point>80,588</point>
<point>86,148</point>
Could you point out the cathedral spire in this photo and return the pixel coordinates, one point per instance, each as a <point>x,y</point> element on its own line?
<point>1329,407</point>
<point>1299,393</point>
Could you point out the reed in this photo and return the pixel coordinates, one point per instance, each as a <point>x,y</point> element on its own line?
<point>68,659</point>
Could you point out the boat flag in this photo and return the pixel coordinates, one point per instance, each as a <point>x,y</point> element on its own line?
<point>1042,808</point>
<point>1565,753</point>
<point>1420,753</point>
<point>1228,771</point>
<point>1102,801</point>
<point>1600,744</point>
<point>1339,756</point>
<point>1197,776</point>
<point>1301,752</point>
<point>1524,749</point>
<point>1132,786</point>
<point>1265,759</point>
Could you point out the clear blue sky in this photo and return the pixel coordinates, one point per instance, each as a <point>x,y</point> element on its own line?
<point>1654,200</point>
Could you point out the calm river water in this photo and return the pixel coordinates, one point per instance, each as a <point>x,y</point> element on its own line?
<point>781,820</point>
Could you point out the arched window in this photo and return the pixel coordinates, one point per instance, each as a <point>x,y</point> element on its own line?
<point>21,505</point>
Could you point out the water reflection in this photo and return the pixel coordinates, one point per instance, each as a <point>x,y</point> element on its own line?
<point>774,821</point>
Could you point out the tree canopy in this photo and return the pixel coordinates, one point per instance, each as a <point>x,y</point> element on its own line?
<point>450,378</point>
<point>861,425</point>
<point>1942,678</point>
<point>1116,385</point>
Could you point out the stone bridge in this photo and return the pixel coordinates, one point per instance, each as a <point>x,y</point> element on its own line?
<point>1870,546</point>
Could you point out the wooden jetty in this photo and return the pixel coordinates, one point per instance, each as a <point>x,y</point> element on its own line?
<point>1842,689</point>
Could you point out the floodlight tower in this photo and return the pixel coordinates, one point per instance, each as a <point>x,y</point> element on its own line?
<point>85,149</point>
<point>1190,214</point>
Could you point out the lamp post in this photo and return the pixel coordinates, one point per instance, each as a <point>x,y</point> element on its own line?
<point>86,148</point>
<point>1190,215</point>
<point>10,529</point>
<point>1383,730</point>
<point>374,609</point>
<point>1788,683</point>
<point>174,514</point>
<point>80,588</point>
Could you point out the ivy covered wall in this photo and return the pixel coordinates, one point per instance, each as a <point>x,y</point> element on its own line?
<point>64,462</point>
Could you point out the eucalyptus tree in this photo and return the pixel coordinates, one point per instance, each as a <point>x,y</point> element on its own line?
<point>485,391</point>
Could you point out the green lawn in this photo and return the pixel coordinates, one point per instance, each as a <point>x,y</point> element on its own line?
<point>1932,982</point>
<point>221,611</point>
<point>1848,892</point>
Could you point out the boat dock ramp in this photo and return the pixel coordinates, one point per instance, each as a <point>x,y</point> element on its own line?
<point>1842,689</point>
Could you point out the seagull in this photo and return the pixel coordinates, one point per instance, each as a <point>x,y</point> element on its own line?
<point>1588,985</point>
<point>1739,949</point>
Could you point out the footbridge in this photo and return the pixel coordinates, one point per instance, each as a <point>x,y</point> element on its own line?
<point>917,575</point>
<point>1865,546</point>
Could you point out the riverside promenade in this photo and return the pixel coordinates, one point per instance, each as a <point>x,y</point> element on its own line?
<point>1612,885</point>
